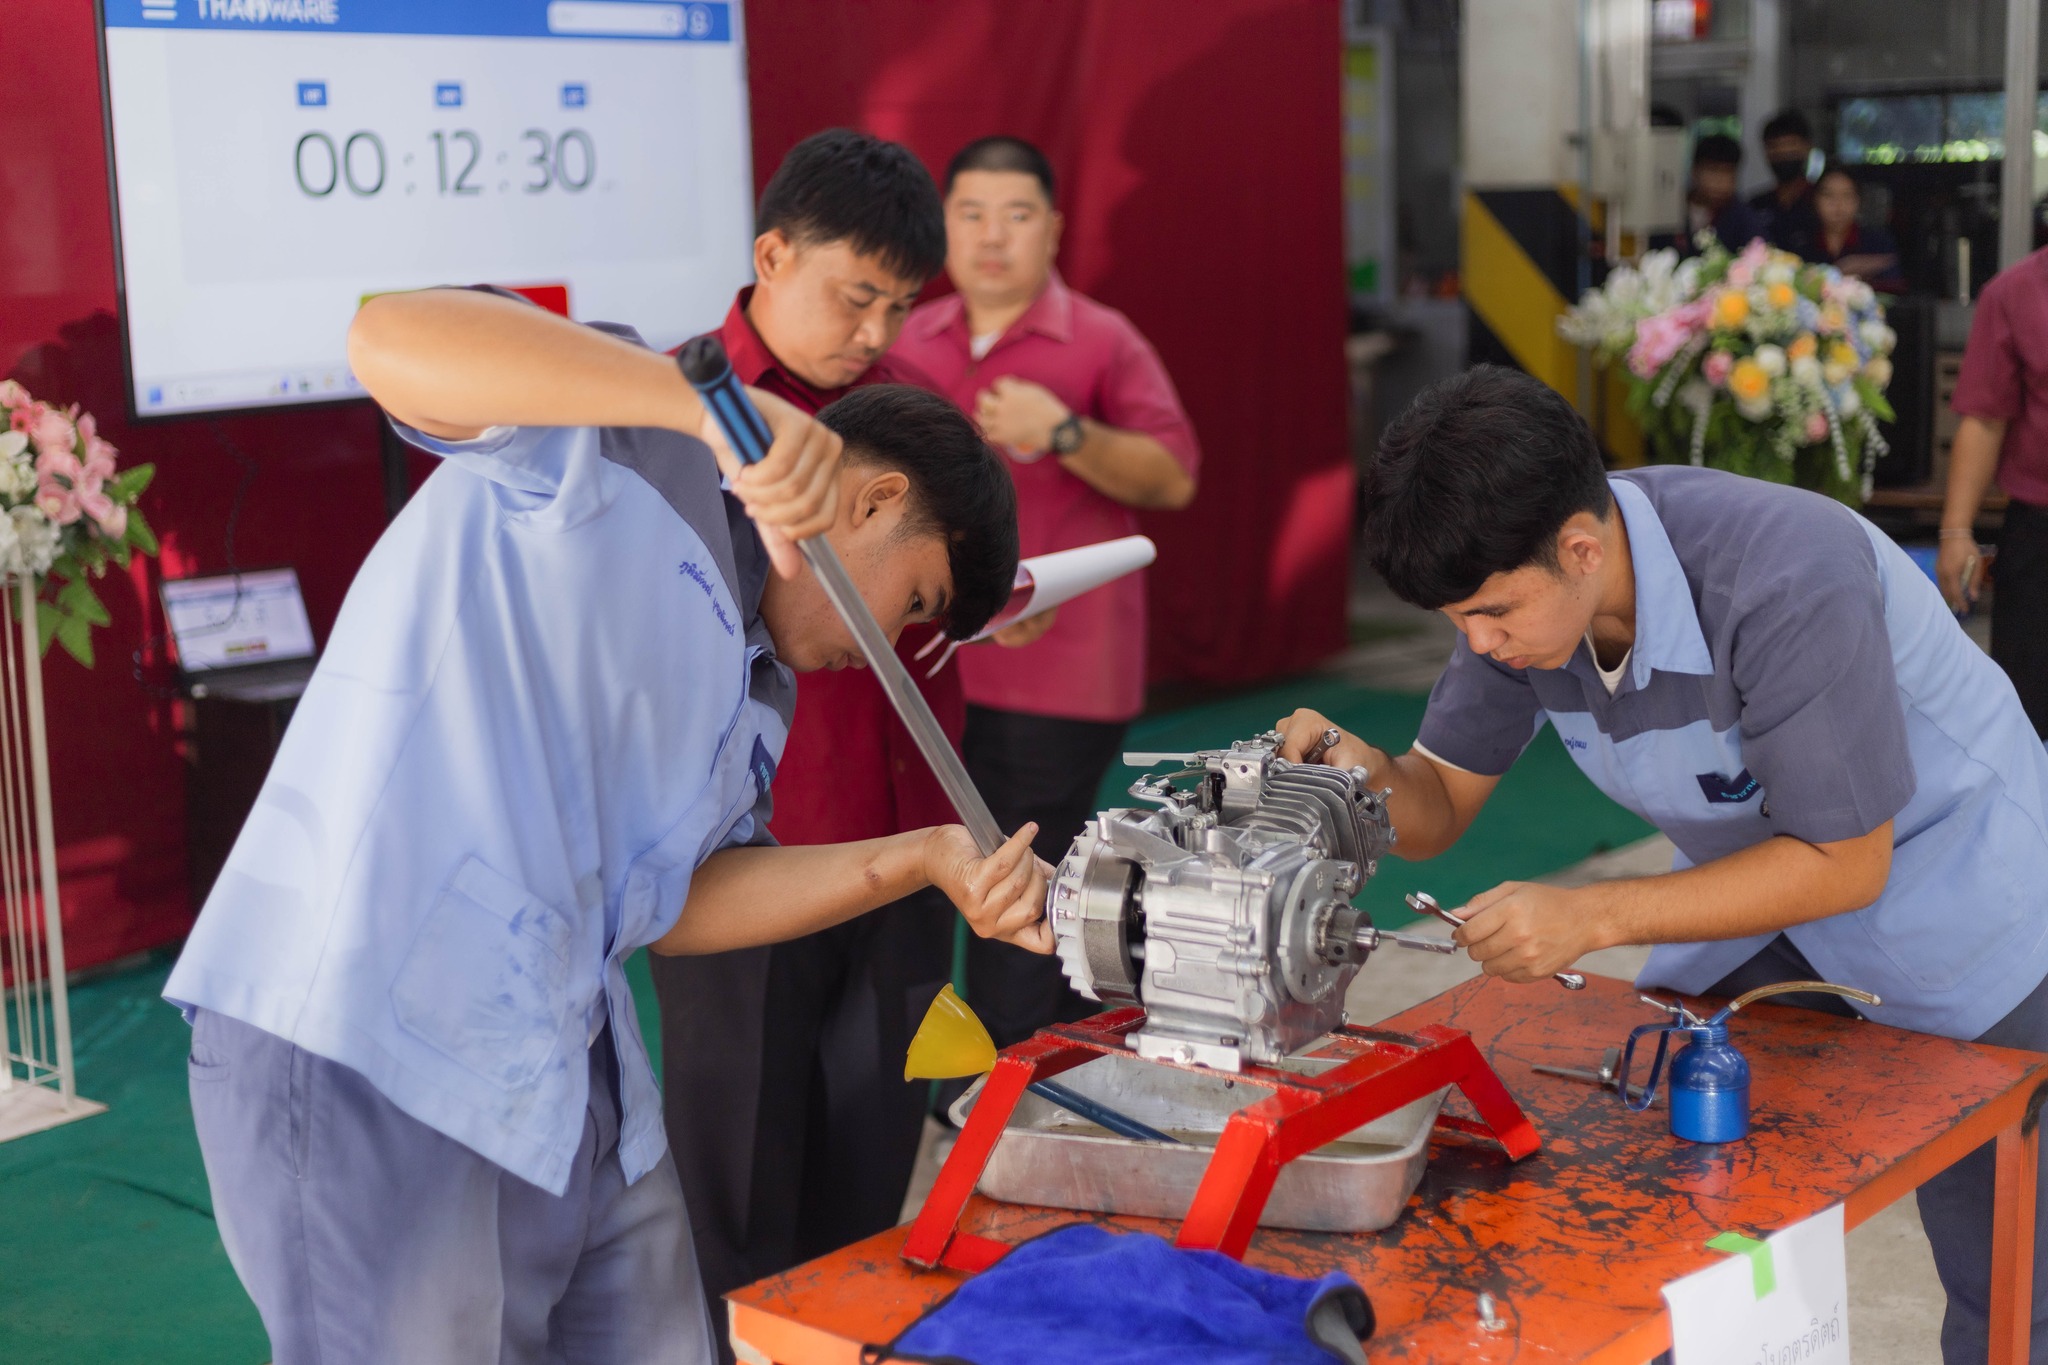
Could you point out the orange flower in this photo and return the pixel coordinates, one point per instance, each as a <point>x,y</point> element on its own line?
<point>1747,381</point>
<point>1781,296</point>
<point>1802,346</point>
<point>1731,310</point>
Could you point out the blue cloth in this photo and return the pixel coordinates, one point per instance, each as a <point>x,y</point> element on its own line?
<point>1795,673</point>
<point>549,696</point>
<point>1082,1292</point>
<point>364,1235</point>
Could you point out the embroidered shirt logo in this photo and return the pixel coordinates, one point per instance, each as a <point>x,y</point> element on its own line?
<point>696,575</point>
<point>762,765</point>
<point>1574,742</point>
<point>1730,791</point>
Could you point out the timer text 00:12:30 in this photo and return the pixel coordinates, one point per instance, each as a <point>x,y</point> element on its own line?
<point>359,163</point>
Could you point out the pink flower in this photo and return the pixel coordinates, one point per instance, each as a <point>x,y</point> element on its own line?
<point>1663,336</point>
<point>99,457</point>
<point>1816,426</point>
<point>97,505</point>
<point>58,504</point>
<point>1716,367</point>
<point>54,431</point>
<point>1741,275</point>
<point>12,395</point>
<point>25,416</point>
<point>88,429</point>
<point>58,464</point>
<point>115,522</point>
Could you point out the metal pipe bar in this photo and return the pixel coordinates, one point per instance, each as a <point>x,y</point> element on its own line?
<point>2016,178</point>
<point>705,365</point>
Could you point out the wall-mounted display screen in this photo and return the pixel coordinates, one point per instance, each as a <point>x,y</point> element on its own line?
<point>275,162</point>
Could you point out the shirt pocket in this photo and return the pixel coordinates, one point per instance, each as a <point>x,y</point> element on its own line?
<point>485,979</point>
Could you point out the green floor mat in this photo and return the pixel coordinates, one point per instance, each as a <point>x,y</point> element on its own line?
<point>1543,817</point>
<point>108,1251</point>
<point>107,1244</point>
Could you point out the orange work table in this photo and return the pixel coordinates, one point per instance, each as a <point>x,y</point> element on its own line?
<point>1575,1242</point>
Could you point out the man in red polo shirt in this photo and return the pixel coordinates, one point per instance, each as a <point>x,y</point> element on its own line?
<point>794,1132</point>
<point>2002,397</point>
<point>1077,398</point>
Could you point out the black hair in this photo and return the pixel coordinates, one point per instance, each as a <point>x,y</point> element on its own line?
<point>1834,167</point>
<point>958,488</point>
<point>846,186</point>
<point>1788,123</point>
<point>1001,153</point>
<point>1717,149</point>
<point>1476,478</point>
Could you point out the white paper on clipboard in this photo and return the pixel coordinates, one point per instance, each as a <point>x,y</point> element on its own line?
<point>1045,581</point>
<point>1719,1318</point>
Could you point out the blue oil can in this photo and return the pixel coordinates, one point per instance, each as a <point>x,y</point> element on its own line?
<point>1709,1075</point>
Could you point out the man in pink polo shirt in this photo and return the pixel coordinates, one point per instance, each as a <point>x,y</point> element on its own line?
<point>1078,400</point>
<point>2002,397</point>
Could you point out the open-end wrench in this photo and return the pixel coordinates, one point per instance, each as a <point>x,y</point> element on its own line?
<point>1426,903</point>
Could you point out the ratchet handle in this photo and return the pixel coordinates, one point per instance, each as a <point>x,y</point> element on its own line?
<point>705,364</point>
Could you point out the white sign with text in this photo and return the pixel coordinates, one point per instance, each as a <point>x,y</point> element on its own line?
<point>1785,1302</point>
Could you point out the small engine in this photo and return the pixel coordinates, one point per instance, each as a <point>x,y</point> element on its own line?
<point>1225,911</point>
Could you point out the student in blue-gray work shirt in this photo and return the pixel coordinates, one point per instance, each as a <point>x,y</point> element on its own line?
<point>542,737</point>
<point>1855,794</point>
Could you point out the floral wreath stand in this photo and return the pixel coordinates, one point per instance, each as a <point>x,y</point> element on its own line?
<point>37,1089</point>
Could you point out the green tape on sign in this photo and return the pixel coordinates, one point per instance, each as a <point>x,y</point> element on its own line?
<point>1761,1272</point>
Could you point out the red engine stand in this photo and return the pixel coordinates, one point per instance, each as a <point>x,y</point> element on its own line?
<point>1380,1073</point>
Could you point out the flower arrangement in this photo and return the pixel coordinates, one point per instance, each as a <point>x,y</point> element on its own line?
<point>66,512</point>
<point>1754,362</point>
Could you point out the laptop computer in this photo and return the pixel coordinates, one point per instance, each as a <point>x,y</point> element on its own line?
<point>241,636</point>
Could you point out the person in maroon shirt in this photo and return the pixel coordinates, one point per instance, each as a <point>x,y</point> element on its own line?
<point>2002,398</point>
<point>793,1130</point>
<point>1078,400</point>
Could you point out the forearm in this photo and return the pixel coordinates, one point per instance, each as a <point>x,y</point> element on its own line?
<point>1972,464</point>
<point>744,897</point>
<point>1130,467</point>
<point>452,362</point>
<point>1761,889</point>
<point>1422,808</point>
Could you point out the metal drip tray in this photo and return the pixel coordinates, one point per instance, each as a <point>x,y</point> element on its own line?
<point>1358,1183</point>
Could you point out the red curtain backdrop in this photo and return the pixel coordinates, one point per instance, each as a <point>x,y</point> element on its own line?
<point>1199,150</point>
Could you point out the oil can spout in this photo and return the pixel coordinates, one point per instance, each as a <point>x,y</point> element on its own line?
<point>1789,987</point>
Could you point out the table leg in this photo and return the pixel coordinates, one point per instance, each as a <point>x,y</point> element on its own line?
<point>2012,1243</point>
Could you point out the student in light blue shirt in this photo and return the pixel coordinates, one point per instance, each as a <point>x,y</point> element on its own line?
<point>1854,791</point>
<point>542,736</point>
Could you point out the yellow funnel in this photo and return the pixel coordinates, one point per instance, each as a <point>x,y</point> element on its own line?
<point>950,1042</point>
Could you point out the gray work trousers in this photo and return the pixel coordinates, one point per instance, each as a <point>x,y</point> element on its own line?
<point>367,1238</point>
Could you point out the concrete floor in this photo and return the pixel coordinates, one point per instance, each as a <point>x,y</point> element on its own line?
<point>1895,1299</point>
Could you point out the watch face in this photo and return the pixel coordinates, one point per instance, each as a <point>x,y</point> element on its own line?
<point>1066,437</point>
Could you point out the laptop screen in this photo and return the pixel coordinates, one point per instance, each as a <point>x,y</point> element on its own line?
<point>231,620</point>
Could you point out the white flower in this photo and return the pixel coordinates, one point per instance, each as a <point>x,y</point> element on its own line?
<point>1777,272</point>
<point>1758,411</point>
<point>1771,360</point>
<point>10,548</point>
<point>1696,395</point>
<point>1806,370</point>
<point>17,479</point>
<point>1848,403</point>
<point>13,444</point>
<point>36,538</point>
<point>1877,338</point>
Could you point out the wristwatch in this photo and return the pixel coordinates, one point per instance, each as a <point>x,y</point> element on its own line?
<point>1067,436</point>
